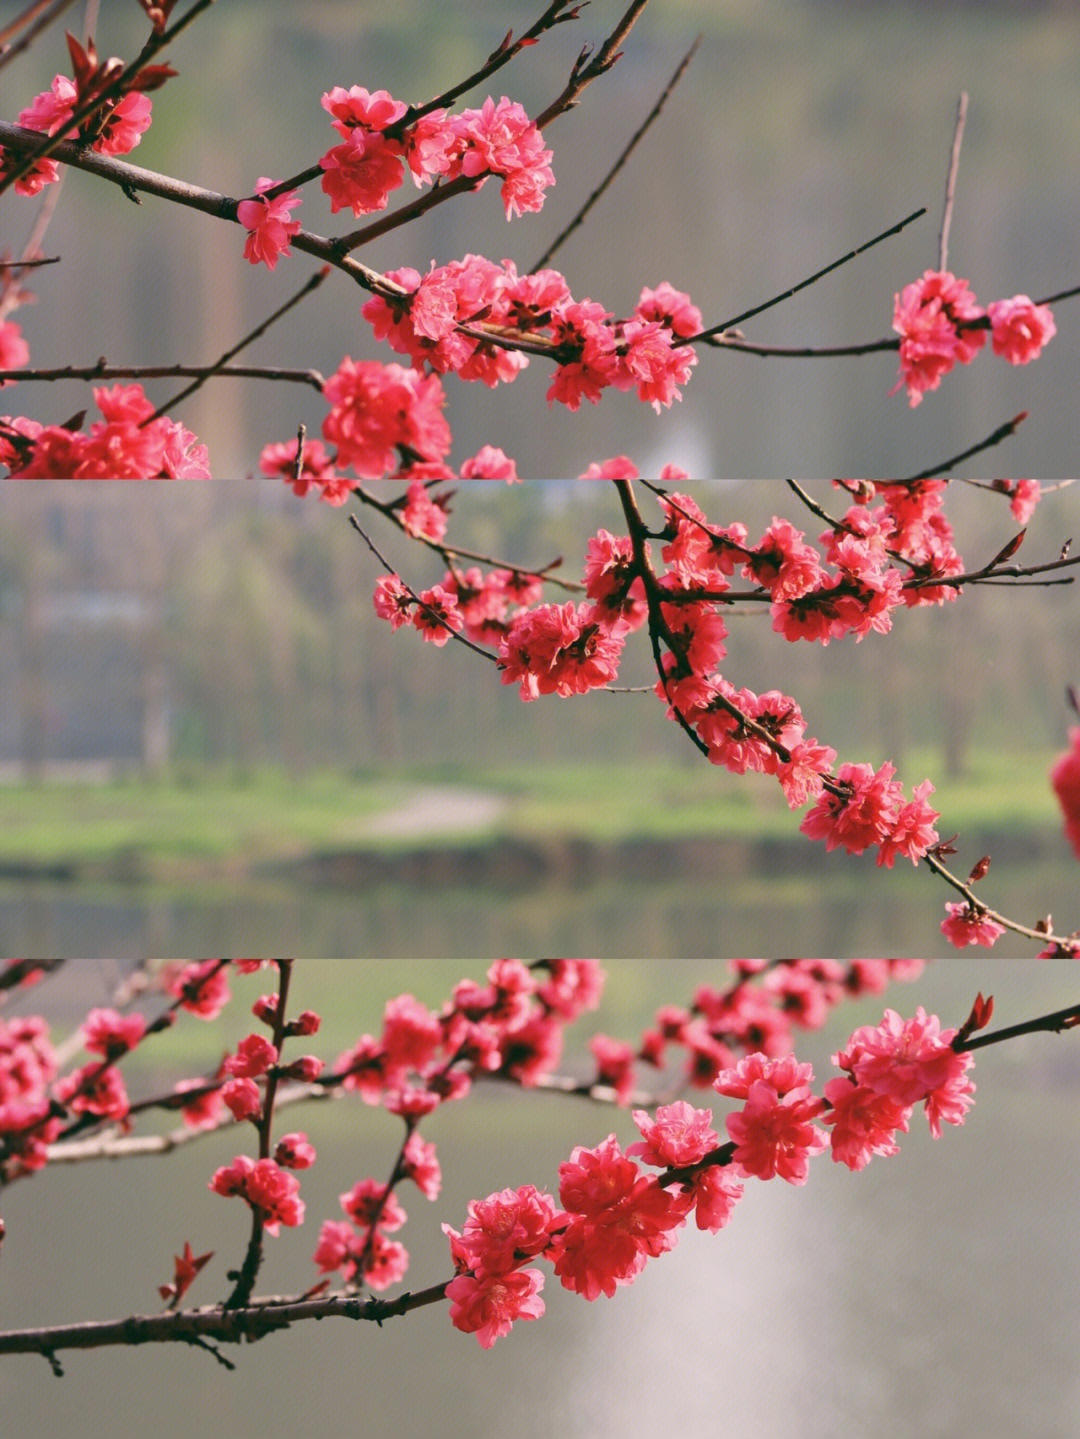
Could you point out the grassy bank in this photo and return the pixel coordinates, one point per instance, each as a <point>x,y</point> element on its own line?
<point>223,823</point>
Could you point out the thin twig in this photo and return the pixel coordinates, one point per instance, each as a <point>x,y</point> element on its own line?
<point>1002,432</point>
<point>717,330</point>
<point>578,219</point>
<point>309,287</point>
<point>950,180</point>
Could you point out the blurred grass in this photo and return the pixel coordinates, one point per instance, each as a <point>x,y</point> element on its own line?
<point>218,820</point>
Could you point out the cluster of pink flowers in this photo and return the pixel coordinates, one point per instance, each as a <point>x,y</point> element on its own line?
<point>360,1250</point>
<point>570,648</point>
<point>125,445</point>
<point>747,1016</point>
<point>479,605</point>
<point>360,173</point>
<point>264,1186</point>
<point>387,421</point>
<point>595,351</point>
<point>893,548</point>
<point>614,1218</point>
<point>511,1025</point>
<point>28,1066</point>
<point>499,139</point>
<point>114,128</point>
<point>941,325</point>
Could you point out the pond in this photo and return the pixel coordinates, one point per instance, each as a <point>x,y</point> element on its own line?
<point>826,905</point>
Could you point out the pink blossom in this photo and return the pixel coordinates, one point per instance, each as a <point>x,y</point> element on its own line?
<point>418,1163</point>
<point>614,1065</point>
<point>422,517</point>
<point>501,139</point>
<point>574,986</point>
<point>393,601</point>
<point>275,1193</point>
<point>202,986</point>
<point>378,409</point>
<point>203,1110</point>
<point>27,1058</point>
<point>1024,498</point>
<point>242,1099</point>
<point>911,1061</point>
<point>618,1219</point>
<point>110,1034</point>
<point>488,1307</point>
<point>125,124</point>
<point>964,925</point>
<point>715,1194</point>
<point>51,109</point>
<point>913,833</point>
<point>863,1122</point>
<point>429,144</point>
<point>368,1199</point>
<point>386,1261</point>
<point>437,617</point>
<point>254,1056</point>
<point>490,463</point>
<point>43,172</point>
<point>560,649</point>
<point>94,1090</point>
<point>865,813</point>
<point>294,1151</point>
<point>506,1228</point>
<point>360,173</point>
<point>356,107</point>
<point>1020,328</point>
<point>773,1133</point>
<point>14,351</point>
<point>1065,779</point>
<point>269,223</point>
<point>651,361</point>
<point>410,1034</point>
<point>679,1135</point>
<point>671,308</point>
<point>934,317</point>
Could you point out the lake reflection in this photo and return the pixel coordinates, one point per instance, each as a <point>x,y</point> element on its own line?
<point>932,1294</point>
<point>843,906</point>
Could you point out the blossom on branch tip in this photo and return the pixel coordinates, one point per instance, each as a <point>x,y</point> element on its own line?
<point>1020,328</point>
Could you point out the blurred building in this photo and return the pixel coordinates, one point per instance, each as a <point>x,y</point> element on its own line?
<point>84,682</point>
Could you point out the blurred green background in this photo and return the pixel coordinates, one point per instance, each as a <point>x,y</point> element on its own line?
<point>209,742</point>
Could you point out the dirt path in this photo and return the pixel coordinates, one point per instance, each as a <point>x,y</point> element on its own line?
<point>435,809</point>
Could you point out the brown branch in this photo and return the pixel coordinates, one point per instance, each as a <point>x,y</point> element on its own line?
<point>228,1326</point>
<point>102,371</point>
